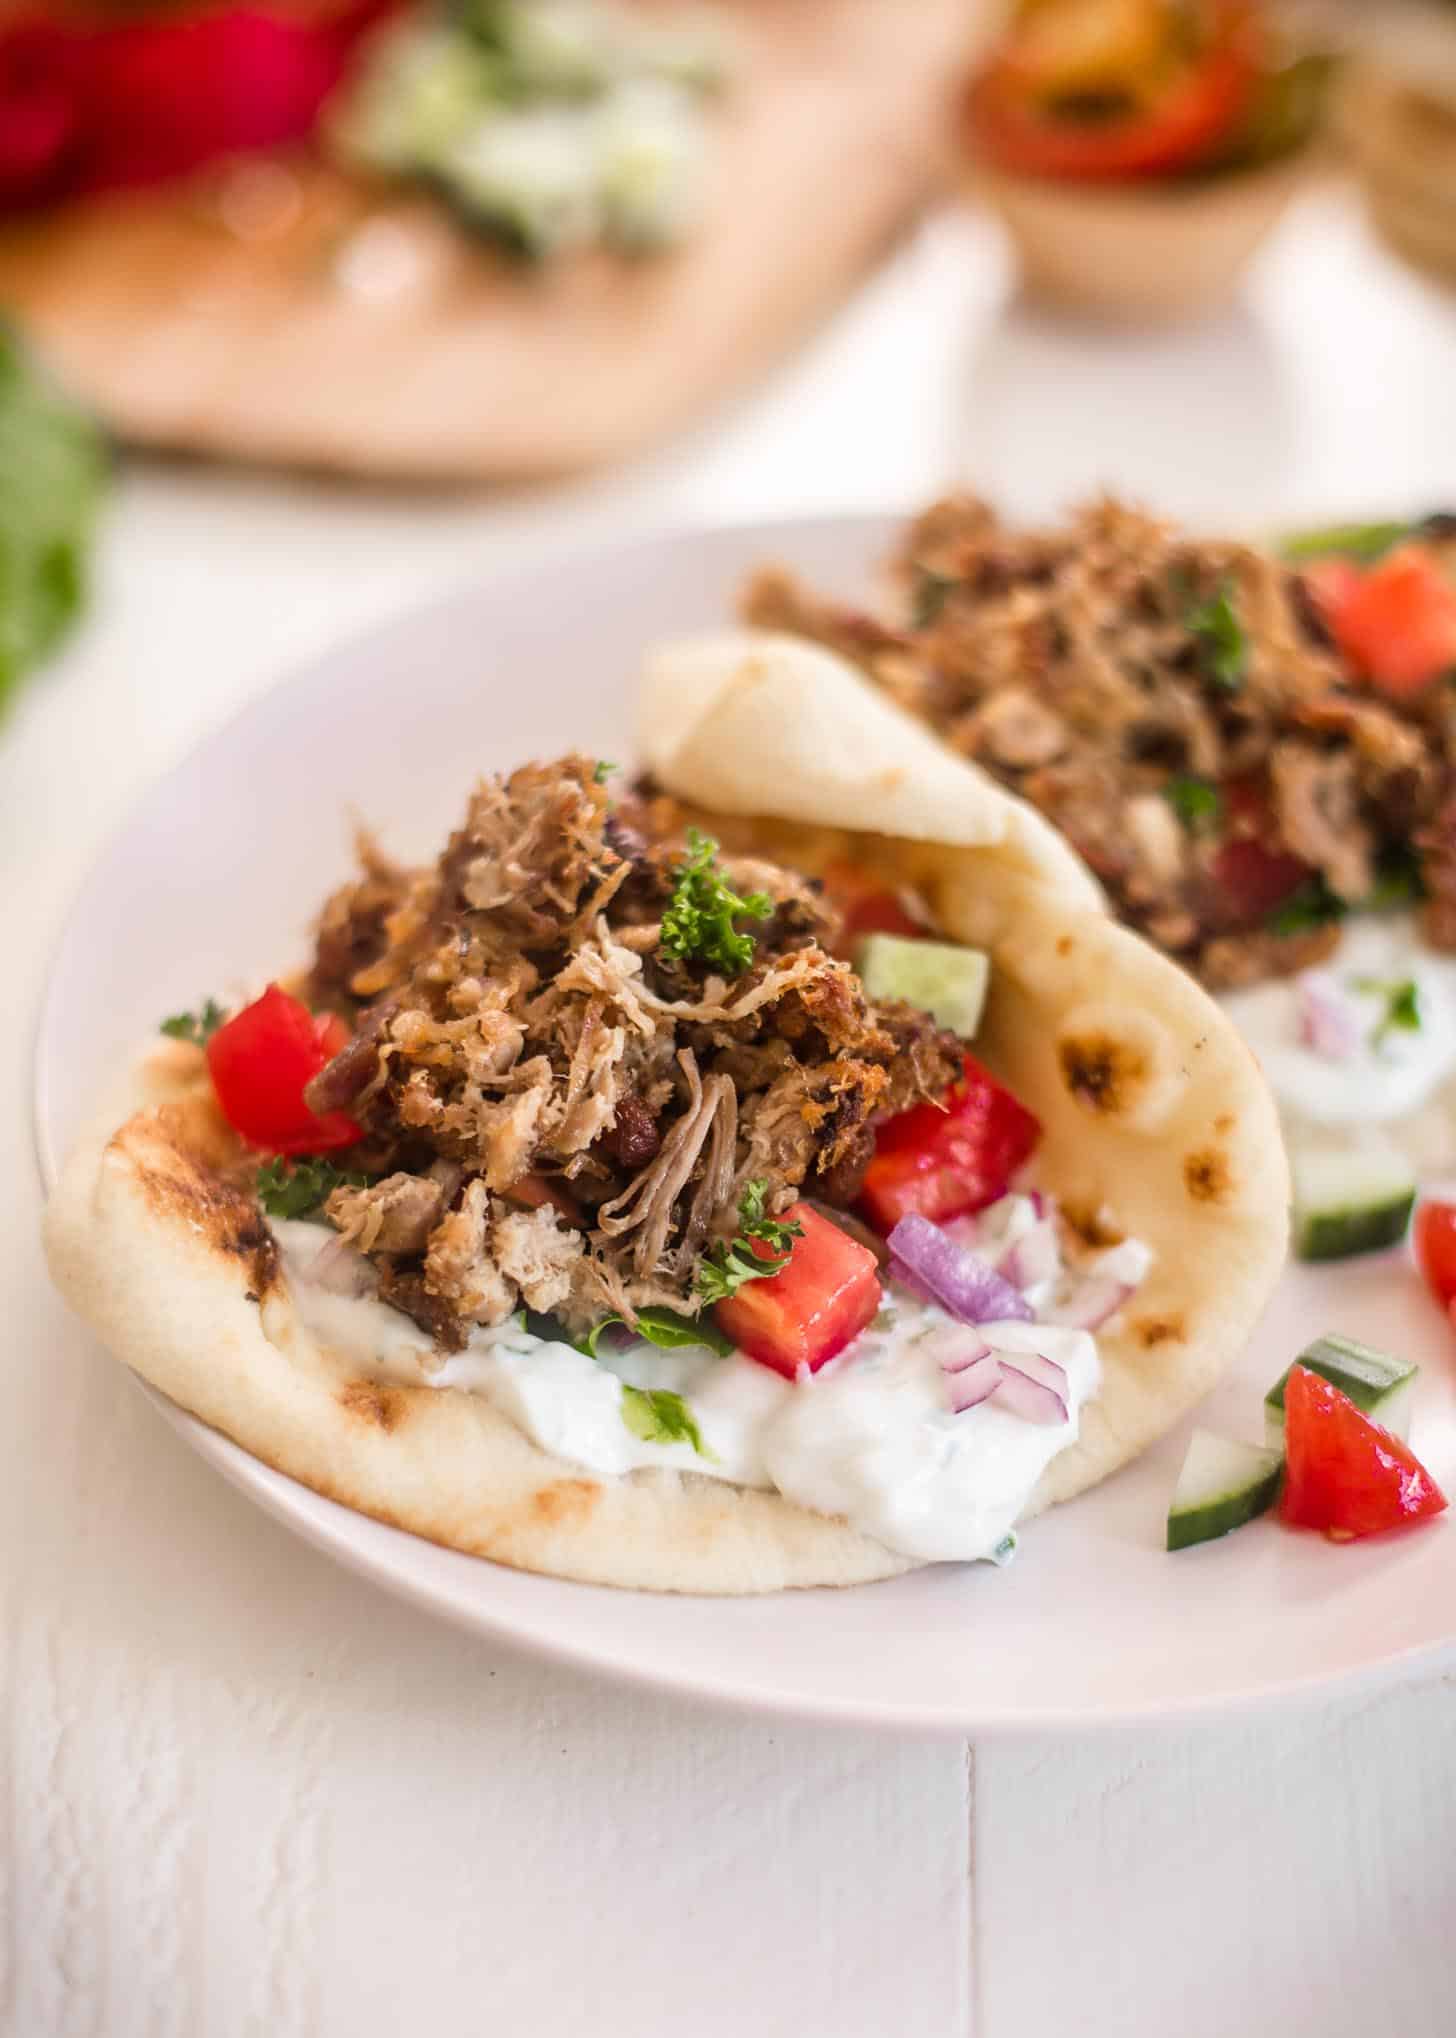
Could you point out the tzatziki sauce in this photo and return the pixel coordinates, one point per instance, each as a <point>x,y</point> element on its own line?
<point>1366,1039</point>
<point>870,1437</point>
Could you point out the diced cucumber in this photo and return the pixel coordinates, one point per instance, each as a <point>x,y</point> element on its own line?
<point>1379,1386</point>
<point>1221,1486</point>
<point>949,983</point>
<point>1350,1199</point>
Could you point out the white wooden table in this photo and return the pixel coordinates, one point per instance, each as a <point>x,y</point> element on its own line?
<point>242,1792</point>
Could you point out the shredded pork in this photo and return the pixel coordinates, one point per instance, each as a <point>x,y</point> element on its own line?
<point>1176,706</point>
<point>560,1115</point>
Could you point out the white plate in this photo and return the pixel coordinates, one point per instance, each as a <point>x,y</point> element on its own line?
<point>212,884</point>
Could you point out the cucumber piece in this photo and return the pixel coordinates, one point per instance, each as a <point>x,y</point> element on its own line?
<point>1221,1486</point>
<point>1379,1386</point>
<point>949,983</point>
<point>1350,1199</point>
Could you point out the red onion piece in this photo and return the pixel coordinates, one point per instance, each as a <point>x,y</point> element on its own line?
<point>1034,1257</point>
<point>961,1282</point>
<point>970,1385</point>
<point>1089,1303</point>
<point>1329,1023</point>
<point>1032,1386</point>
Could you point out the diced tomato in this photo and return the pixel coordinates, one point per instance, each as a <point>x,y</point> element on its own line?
<point>1397,623</point>
<point>1255,879</point>
<point>801,1317</point>
<point>865,906</point>
<point>945,1162</point>
<point>261,1061</point>
<point>1021,127</point>
<point>1434,1235</point>
<point>1343,1473</point>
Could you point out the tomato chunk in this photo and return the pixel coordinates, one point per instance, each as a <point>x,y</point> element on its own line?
<point>1434,1237</point>
<point>823,1298</point>
<point>1397,623</point>
<point>1343,1473</point>
<point>945,1162</point>
<point>261,1061</point>
<point>1254,879</point>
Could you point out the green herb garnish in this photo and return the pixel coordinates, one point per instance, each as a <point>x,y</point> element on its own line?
<point>662,1418</point>
<point>1312,905</point>
<point>931,590</point>
<point>1364,543</point>
<point>1196,801</point>
<point>53,468</point>
<point>604,770</point>
<point>294,1188</point>
<point>197,1027</point>
<point>698,924</point>
<point>1221,639</point>
<point>665,1328</point>
<point>725,1267</point>
<point>1397,882</point>
<point>1402,1005</point>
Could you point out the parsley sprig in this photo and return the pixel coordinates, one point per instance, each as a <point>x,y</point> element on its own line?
<point>659,1417</point>
<point>725,1267</point>
<point>196,1027</point>
<point>1221,641</point>
<point>295,1188</point>
<point>1402,1005</point>
<point>668,1329</point>
<point>1196,801</point>
<point>698,924</point>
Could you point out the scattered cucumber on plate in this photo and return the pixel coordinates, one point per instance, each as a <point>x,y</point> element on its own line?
<point>947,982</point>
<point>1379,1386</point>
<point>1222,1485</point>
<point>1349,1200</point>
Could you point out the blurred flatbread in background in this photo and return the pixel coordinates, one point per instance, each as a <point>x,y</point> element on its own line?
<point>277,311</point>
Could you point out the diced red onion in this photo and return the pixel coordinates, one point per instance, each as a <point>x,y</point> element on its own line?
<point>1329,1023</point>
<point>1088,1303</point>
<point>1034,1257</point>
<point>961,1282</point>
<point>970,1385</point>
<point>1032,1386</point>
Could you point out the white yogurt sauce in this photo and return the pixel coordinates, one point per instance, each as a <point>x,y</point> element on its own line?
<point>870,1436</point>
<point>1387,1075</point>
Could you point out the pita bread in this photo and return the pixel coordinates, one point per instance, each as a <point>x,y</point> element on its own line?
<point>1156,1122</point>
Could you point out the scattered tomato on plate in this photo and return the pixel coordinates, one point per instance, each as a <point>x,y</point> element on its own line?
<point>1344,1474</point>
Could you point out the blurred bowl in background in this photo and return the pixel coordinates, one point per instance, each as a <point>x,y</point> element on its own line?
<point>1154,253</point>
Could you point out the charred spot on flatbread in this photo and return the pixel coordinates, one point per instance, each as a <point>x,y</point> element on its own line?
<point>177,1186</point>
<point>1208,1176</point>
<point>1152,1331</point>
<point>566,1502</point>
<point>1095,1227</point>
<point>1103,1071</point>
<point>373,1404</point>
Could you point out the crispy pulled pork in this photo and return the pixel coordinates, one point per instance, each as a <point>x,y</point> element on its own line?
<point>1175,706</point>
<point>562,1111</point>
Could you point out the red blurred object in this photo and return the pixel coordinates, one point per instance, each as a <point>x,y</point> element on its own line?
<point>1434,1236</point>
<point>943,1162</point>
<point>1018,129</point>
<point>1343,1473</point>
<point>822,1299</point>
<point>1397,622</point>
<point>262,1059</point>
<point>90,106</point>
<point>865,906</point>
